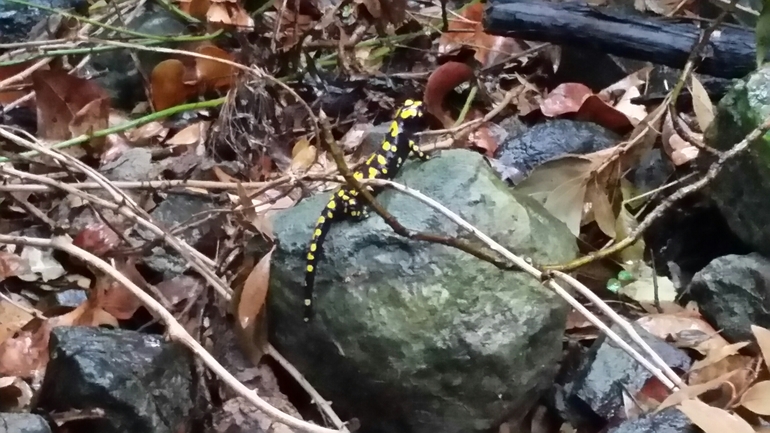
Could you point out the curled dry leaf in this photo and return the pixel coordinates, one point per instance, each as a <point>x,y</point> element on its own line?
<point>214,74</point>
<point>757,398</point>
<point>251,302</point>
<point>442,81</point>
<point>712,419</point>
<point>686,330</point>
<point>167,84</point>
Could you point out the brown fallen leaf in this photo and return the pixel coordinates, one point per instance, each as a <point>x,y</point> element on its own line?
<point>712,419</point>
<point>757,398</point>
<point>693,391</point>
<point>251,329</point>
<point>718,355</point>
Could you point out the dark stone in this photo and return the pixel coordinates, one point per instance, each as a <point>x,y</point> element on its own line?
<point>64,298</point>
<point>23,423</point>
<point>669,420</point>
<point>141,382</point>
<point>733,292</point>
<point>418,337</point>
<point>608,370</point>
<point>743,185</point>
<point>177,209</point>
<point>17,20</point>
<point>545,141</point>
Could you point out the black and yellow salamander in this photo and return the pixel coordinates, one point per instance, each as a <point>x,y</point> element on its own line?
<point>345,203</point>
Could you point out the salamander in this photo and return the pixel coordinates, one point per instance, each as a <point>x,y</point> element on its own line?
<point>345,203</point>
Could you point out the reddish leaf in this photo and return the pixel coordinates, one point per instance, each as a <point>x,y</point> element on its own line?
<point>566,98</point>
<point>442,81</point>
<point>168,87</point>
<point>60,97</point>
<point>97,239</point>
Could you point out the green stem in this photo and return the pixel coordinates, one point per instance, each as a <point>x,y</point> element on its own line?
<point>42,52</point>
<point>128,125</point>
<point>95,23</point>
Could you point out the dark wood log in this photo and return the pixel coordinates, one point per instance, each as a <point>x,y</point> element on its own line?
<point>729,54</point>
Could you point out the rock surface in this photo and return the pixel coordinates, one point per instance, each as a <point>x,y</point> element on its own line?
<point>608,370</point>
<point>141,382</point>
<point>742,187</point>
<point>669,420</point>
<point>23,423</point>
<point>548,140</point>
<point>419,337</point>
<point>733,292</point>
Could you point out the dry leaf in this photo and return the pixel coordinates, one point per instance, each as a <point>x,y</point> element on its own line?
<point>602,209</point>
<point>693,391</point>
<point>250,307</point>
<point>718,355</point>
<point>712,419</point>
<point>701,104</point>
<point>763,340</point>
<point>757,398</point>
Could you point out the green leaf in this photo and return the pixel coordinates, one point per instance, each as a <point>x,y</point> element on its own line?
<point>613,285</point>
<point>625,276</point>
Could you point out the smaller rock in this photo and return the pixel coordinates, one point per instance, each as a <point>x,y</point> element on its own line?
<point>23,423</point>
<point>549,140</point>
<point>141,382</point>
<point>669,420</point>
<point>733,293</point>
<point>608,371</point>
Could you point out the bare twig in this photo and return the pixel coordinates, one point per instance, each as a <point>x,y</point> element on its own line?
<point>175,330</point>
<point>663,372</point>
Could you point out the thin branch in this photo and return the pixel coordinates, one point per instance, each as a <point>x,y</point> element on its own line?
<point>175,330</point>
<point>667,376</point>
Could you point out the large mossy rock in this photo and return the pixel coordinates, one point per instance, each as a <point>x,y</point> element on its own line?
<point>417,337</point>
<point>742,189</point>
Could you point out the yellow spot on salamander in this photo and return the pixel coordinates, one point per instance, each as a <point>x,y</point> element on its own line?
<point>346,197</point>
<point>370,159</point>
<point>341,193</point>
<point>332,204</point>
<point>408,102</point>
<point>354,193</point>
<point>408,113</point>
<point>313,247</point>
<point>321,219</point>
<point>307,303</point>
<point>394,129</point>
<point>317,233</point>
<point>358,175</point>
<point>386,146</point>
<point>373,172</point>
<point>310,268</point>
<point>381,160</point>
<point>310,256</point>
<point>329,215</point>
<point>384,171</point>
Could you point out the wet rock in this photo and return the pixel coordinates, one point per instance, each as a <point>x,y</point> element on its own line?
<point>141,382</point>
<point>733,292</point>
<point>544,141</point>
<point>608,371</point>
<point>743,185</point>
<point>669,420</point>
<point>177,209</point>
<point>23,423</point>
<point>419,337</point>
<point>17,20</point>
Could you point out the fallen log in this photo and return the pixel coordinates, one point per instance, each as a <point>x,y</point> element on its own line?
<point>730,52</point>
